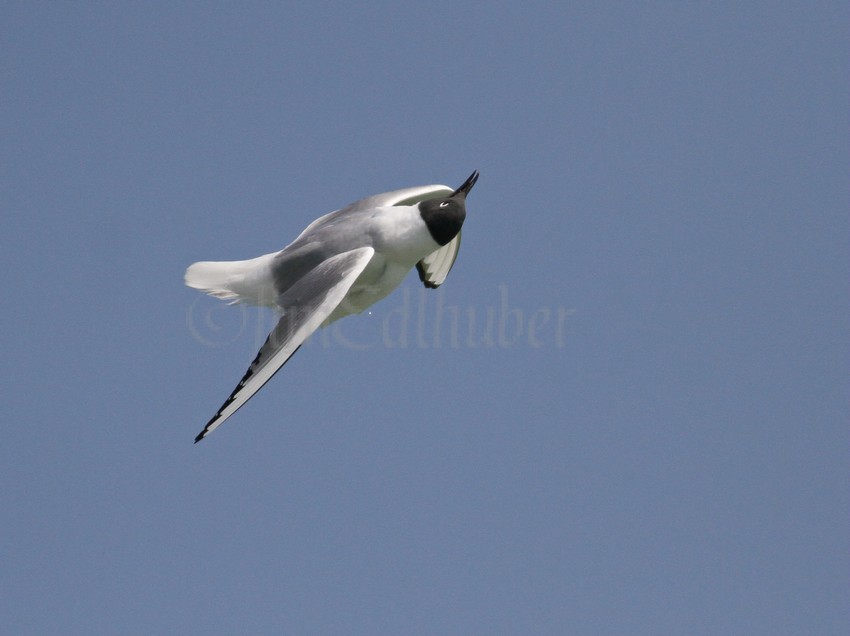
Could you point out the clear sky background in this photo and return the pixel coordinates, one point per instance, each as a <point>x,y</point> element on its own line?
<point>626,411</point>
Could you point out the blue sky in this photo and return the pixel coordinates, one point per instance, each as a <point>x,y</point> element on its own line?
<point>625,412</point>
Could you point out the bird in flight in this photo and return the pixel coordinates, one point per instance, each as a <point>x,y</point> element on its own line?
<point>342,263</point>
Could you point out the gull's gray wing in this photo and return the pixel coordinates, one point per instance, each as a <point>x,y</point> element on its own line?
<point>305,305</point>
<point>405,196</point>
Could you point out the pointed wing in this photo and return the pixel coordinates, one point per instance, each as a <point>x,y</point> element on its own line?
<point>405,196</point>
<point>305,306</point>
<point>434,268</point>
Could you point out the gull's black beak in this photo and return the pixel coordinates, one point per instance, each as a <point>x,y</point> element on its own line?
<point>467,185</point>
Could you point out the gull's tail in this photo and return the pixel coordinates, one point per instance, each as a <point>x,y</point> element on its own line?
<point>236,281</point>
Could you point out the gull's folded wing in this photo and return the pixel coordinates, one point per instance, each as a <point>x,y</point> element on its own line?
<point>305,307</point>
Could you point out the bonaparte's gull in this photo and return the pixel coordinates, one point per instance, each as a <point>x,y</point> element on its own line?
<point>342,263</point>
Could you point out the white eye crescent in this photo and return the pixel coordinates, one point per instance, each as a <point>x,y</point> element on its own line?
<point>444,204</point>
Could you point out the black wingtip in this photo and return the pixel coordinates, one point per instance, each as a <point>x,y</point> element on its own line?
<point>207,430</point>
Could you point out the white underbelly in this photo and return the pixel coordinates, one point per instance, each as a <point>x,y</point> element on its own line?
<point>378,280</point>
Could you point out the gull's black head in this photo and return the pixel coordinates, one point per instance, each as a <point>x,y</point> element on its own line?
<point>444,216</point>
